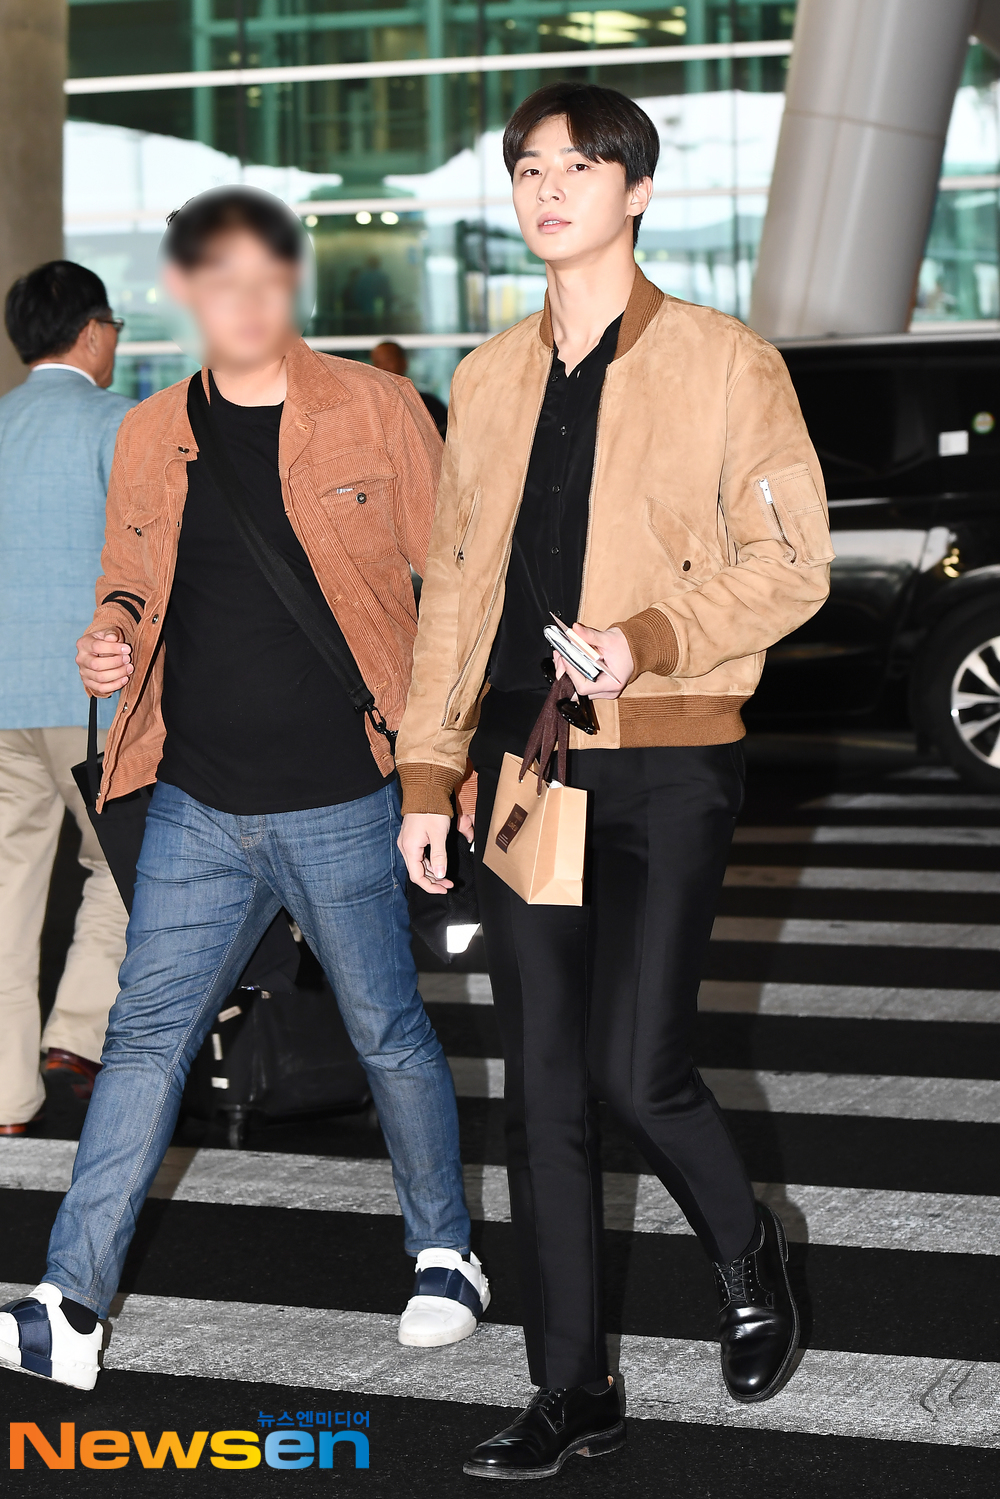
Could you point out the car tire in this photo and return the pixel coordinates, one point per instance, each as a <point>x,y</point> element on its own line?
<point>956,688</point>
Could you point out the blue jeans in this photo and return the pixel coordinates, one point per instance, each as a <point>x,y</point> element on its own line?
<point>208,886</point>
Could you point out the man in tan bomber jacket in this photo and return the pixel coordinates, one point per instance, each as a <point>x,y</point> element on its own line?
<point>641,465</point>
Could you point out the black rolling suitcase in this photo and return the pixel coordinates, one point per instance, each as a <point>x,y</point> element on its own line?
<point>278,1046</point>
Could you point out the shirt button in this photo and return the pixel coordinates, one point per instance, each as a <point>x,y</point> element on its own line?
<point>362,497</point>
<point>155,618</point>
<point>563,431</point>
<point>555,551</point>
<point>555,489</point>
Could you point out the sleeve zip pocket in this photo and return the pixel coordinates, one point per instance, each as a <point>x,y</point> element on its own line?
<point>765,490</point>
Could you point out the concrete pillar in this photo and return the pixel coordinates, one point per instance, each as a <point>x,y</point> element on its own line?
<point>870,91</point>
<point>32,110</point>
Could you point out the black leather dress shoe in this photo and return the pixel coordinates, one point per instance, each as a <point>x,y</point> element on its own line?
<point>758,1318</point>
<point>558,1424</point>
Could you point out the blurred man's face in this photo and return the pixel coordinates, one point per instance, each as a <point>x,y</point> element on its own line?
<point>568,206</point>
<point>242,297</point>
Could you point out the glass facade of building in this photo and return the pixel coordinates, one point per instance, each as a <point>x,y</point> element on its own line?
<point>399,176</point>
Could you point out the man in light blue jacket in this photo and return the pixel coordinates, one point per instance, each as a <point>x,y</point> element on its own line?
<point>57,438</point>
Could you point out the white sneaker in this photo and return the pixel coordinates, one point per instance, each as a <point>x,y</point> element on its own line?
<point>35,1337</point>
<point>449,1297</point>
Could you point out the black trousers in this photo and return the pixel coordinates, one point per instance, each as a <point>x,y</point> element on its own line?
<point>599,1002</point>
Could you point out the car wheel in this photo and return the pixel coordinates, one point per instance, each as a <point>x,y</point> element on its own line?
<point>956,694</point>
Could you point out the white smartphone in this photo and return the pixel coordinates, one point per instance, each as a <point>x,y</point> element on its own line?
<point>577,651</point>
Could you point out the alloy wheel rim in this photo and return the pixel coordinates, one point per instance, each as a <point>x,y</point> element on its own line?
<point>975,702</point>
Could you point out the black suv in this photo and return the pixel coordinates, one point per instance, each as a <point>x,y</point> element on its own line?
<point>908,432</point>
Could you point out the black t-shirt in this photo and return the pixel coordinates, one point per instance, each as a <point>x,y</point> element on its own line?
<point>256,722</point>
<point>548,549</point>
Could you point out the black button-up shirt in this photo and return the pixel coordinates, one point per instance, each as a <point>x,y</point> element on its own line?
<point>550,538</point>
<point>547,554</point>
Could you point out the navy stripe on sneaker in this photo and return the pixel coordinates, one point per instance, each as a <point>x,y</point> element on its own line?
<point>34,1335</point>
<point>437,1280</point>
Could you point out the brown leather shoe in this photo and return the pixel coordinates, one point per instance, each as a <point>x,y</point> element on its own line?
<point>69,1062</point>
<point>7,1130</point>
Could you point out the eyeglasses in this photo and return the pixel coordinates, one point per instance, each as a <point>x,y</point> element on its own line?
<point>578,712</point>
<point>117,323</point>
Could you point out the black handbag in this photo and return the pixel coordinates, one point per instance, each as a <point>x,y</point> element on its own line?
<point>121,823</point>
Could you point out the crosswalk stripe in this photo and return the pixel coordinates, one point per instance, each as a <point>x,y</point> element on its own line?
<point>849,1002</point>
<point>866,1095</point>
<point>456,988</point>
<point>836,1001</point>
<point>905,801</point>
<point>859,1218</point>
<point>818,877</point>
<point>893,1398</point>
<point>808,931</point>
<point>824,833</point>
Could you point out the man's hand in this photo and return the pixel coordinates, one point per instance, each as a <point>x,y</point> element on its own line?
<point>423,831</point>
<point>105,662</point>
<point>614,652</point>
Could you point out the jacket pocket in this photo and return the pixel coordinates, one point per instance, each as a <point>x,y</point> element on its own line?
<point>796,513</point>
<point>355,491</point>
<point>692,559</point>
<point>465,522</point>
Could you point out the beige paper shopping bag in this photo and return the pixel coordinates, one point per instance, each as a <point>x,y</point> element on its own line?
<point>536,842</point>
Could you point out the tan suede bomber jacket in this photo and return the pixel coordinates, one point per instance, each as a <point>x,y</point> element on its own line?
<point>708,538</point>
<point>359,460</point>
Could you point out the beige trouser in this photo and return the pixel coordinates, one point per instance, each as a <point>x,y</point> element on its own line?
<point>36,787</point>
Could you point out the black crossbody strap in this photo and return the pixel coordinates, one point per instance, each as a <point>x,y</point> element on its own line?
<point>319,627</point>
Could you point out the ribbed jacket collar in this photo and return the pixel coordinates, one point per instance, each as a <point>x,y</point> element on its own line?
<point>644,302</point>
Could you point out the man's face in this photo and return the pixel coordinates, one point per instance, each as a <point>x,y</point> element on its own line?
<point>567,206</point>
<point>241,296</point>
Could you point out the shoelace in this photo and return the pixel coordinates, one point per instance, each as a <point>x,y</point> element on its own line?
<point>548,1402</point>
<point>736,1280</point>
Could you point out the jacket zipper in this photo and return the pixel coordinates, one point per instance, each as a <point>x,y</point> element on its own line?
<point>765,490</point>
<point>460,681</point>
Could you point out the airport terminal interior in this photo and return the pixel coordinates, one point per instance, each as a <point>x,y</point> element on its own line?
<point>850,1006</point>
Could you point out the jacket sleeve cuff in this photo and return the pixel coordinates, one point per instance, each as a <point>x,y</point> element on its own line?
<point>113,617</point>
<point>428,788</point>
<point>467,792</point>
<point>653,642</point>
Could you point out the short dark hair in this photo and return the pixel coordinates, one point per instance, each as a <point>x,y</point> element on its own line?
<point>191,229</point>
<point>47,309</point>
<point>604,125</point>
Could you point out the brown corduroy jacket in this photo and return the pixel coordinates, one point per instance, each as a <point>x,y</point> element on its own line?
<point>359,460</point>
<point>708,538</point>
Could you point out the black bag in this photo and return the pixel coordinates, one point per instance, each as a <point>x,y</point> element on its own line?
<point>121,823</point>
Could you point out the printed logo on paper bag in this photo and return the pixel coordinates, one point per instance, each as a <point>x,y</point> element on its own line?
<point>511,828</point>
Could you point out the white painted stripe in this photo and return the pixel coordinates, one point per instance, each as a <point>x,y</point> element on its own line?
<point>868,1095</point>
<point>417,67</point>
<point>858,1218</point>
<point>865,1095</point>
<point>947,934</point>
<point>893,1398</point>
<point>456,988</point>
<point>847,1002</point>
<point>477,1077</point>
<point>932,837</point>
<point>837,1001</point>
<point>817,877</point>
<point>906,801</point>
